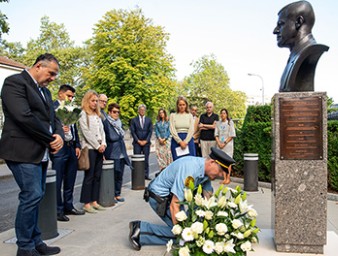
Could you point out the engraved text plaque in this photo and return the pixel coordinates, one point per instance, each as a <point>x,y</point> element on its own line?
<point>301,128</point>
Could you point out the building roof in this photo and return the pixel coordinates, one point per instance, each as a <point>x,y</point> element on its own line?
<point>8,62</point>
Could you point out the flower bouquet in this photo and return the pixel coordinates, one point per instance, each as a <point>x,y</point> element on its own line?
<point>68,113</point>
<point>224,224</point>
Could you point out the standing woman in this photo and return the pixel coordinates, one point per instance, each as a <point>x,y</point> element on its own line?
<point>182,130</point>
<point>116,149</point>
<point>224,134</point>
<point>94,138</point>
<point>162,143</point>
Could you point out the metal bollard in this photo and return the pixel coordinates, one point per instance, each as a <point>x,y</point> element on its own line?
<point>251,172</point>
<point>107,184</point>
<point>137,173</point>
<point>47,220</point>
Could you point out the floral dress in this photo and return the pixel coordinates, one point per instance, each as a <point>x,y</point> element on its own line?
<point>163,152</point>
<point>223,131</point>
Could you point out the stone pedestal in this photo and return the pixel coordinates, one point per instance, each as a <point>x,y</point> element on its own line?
<point>299,171</point>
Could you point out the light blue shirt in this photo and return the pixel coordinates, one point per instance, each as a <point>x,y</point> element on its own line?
<point>172,178</point>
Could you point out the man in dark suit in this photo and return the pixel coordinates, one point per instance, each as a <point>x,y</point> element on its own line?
<point>293,31</point>
<point>31,131</point>
<point>65,161</point>
<point>141,129</point>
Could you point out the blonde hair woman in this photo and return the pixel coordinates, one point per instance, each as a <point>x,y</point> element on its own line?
<point>182,130</point>
<point>94,138</point>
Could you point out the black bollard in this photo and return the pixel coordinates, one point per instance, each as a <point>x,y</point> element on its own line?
<point>47,220</point>
<point>137,172</point>
<point>107,184</point>
<point>251,172</point>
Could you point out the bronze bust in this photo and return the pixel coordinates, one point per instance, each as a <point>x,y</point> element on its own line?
<point>293,30</point>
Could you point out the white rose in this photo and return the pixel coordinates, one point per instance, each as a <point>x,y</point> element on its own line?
<point>209,215</point>
<point>221,229</point>
<point>198,199</point>
<point>219,247</point>
<point>229,246</point>
<point>236,223</point>
<point>239,235</point>
<point>200,213</point>
<point>177,229</point>
<point>197,227</point>
<point>181,216</point>
<point>246,246</point>
<point>232,205</point>
<point>222,214</point>
<point>252,213</point>
<point>243,206</point>
<point>184,251</point>
<point>208,247</point>
<point>187,234</point>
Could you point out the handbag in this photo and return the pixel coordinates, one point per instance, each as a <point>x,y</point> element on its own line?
<point>83,163</point>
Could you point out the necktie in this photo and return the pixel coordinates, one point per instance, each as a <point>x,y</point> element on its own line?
<point>41,92</point>
<point>142,122</point>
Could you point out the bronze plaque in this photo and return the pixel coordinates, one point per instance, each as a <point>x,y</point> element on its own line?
<point>301,128</point>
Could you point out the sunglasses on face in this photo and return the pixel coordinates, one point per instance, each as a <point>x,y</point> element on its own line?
<point>116,111</point>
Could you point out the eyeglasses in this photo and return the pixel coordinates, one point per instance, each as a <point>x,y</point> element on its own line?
<point>116,112</point>
<point>103,101</point>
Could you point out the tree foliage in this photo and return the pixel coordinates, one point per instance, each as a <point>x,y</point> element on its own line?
<point>54,39</point>
<point>129,62</point>
<point>210,82</point>
<point>4,26</point>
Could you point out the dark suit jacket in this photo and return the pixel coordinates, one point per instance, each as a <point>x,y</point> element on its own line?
<point>28,117</point>
<point>140,133</point>
<point>115,143</point>
<point>298,75</point>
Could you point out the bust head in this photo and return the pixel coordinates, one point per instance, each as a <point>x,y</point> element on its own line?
<point>295,22</point>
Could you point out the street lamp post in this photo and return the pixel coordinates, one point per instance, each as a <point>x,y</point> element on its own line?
<point>260,77</point>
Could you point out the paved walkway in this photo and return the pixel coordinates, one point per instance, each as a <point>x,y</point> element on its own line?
<point>106,233</point>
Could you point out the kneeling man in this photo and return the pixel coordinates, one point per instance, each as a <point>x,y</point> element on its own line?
<point>167,190</point>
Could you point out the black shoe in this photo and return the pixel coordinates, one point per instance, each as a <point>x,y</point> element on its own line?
<point>134,235</point>
<point>62,217</point>
<point>74,212</point>
<point>147,178</point>
<point>44,249</point>
<point>22,252</point>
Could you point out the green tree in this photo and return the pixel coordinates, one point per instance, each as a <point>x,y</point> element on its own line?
<point>130,63</point>
<point>11,50</point>
<point>210,82</point>
<point>4,27</point>
<point>55,39</point>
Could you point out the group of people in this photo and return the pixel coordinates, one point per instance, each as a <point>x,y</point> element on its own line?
<point>33,134</point>
<point>183,133</point>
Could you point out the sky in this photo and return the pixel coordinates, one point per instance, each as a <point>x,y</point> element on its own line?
<point>237,33</point>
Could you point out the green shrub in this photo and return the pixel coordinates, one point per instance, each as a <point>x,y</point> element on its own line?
<point>255,137</point>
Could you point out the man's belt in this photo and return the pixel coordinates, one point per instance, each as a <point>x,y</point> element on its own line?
<point>148,193</point>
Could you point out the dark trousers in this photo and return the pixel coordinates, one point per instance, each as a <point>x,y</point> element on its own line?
<point>65,165</point>
<point>31,179</point>
<point>198,149</point>
<point>145,150</point>
<point>91,182</point>
<point>118,174</point>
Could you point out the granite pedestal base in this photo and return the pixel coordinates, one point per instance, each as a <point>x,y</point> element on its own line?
<point>299,172</point>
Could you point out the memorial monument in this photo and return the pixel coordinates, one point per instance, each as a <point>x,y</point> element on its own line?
<point>299,164</point>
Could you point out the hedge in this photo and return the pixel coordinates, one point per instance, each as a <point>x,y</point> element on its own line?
<point>255,137</point>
